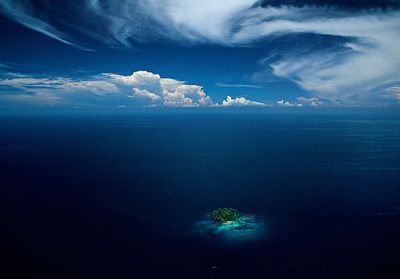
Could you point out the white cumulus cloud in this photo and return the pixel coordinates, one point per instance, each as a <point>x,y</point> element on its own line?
<point>163,91</point>
<point>283,103</point>
<point>240,102</point>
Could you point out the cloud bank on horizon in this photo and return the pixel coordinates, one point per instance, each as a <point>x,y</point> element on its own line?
<point>358,67</point>
<point>142,87</point>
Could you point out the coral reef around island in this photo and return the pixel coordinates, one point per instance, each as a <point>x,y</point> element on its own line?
<point>229,224</point>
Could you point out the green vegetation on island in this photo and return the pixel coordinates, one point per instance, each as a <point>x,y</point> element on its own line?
<point>224,215</point>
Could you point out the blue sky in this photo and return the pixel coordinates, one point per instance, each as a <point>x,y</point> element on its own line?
<point>184,53</point>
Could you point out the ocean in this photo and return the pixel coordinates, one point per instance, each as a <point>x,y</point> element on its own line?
<point>118,195</point>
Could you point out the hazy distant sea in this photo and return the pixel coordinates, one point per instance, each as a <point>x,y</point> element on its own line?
<point>117,196</point>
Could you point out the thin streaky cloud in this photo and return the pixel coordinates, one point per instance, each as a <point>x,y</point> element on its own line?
<point>4,66</point>
<point>234,85</point>
<point>20,12</point>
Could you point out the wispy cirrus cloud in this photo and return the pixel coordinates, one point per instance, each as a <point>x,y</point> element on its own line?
<point>4,66</point>
<point>393,93</point>
<point>24,13</point>
<point>348,70</point>
<point>235,85</point>
<point>34,85</point>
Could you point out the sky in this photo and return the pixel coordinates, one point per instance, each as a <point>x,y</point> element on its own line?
<point>128,54</point>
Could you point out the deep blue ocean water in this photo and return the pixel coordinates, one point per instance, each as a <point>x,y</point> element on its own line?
<point>118,195</point>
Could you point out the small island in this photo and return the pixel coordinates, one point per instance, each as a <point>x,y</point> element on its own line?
<point>231,225</point>
<point>225,215</point>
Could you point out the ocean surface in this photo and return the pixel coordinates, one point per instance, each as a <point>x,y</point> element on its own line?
<point>119,195</point>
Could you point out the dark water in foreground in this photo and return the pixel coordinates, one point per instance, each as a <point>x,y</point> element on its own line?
<point>117,196</point>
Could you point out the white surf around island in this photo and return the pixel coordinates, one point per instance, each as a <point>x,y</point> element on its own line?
<point>245,229</point>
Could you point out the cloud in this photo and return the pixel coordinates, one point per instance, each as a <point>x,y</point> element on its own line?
<point>369,59</point>
<point>142,88</point>
<point>47,85</point>
<point>4,66</point>
<point>162,91</point>
<point>303,102</point>
<point>283,103</point>
<point>312,102</point>
<point>39,98</point>
<point>240,102</point>
<point>393,89</point>
<point>363,58</point>
<point>234,85</point>
<point>206,20</point>
<point>393,93</point>
<point>24,13</point>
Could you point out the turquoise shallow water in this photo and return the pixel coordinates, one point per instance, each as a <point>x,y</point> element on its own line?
<point>245,229</point>
<point>119,196</point>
